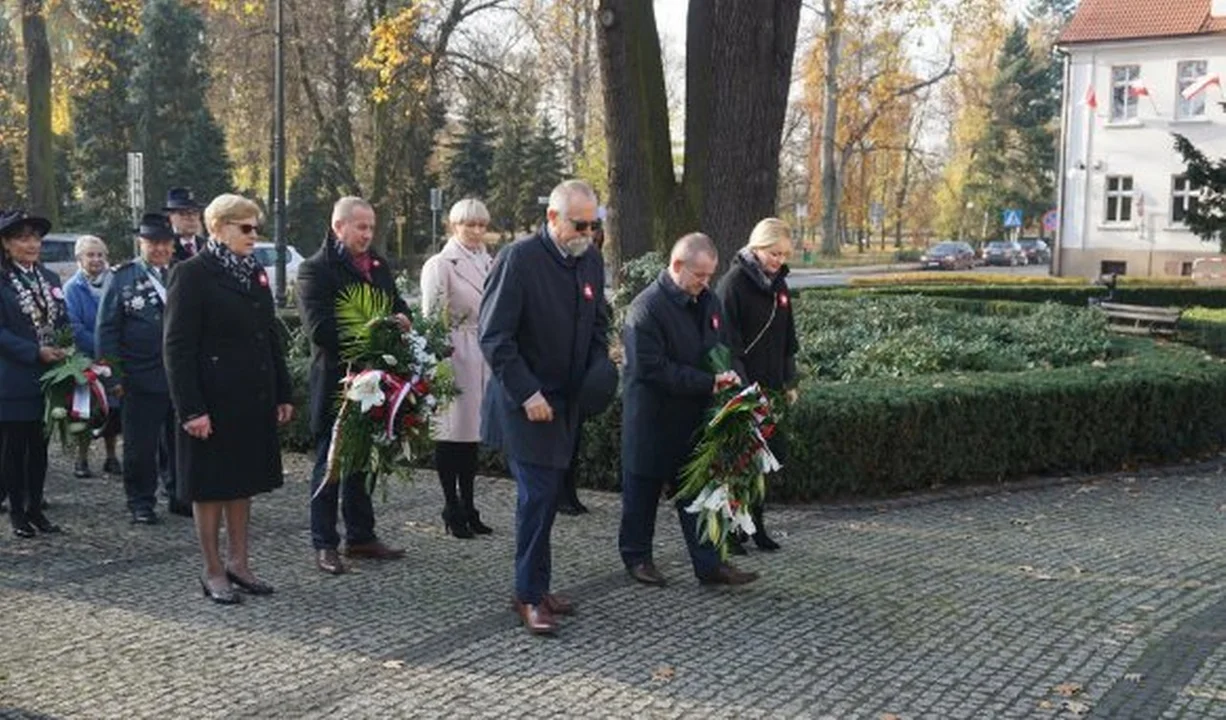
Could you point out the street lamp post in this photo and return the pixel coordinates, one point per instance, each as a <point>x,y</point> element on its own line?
<point>279,150</point>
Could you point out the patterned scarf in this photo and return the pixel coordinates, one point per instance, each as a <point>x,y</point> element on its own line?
<point>240,268</point>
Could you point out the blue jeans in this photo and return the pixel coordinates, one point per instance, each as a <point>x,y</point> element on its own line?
<point>535,510</point>
<point>358,512</point>
<point>640,498</point>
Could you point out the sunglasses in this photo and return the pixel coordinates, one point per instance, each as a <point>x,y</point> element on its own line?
<point>583,225</point>
<point>247,228</point>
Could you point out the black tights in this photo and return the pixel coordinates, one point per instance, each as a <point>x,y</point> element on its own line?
<point>457,466</point>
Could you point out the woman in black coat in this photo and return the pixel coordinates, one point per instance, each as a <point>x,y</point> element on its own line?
<point>32,313</point>
<point>230,387</point>
<point>761,329</point>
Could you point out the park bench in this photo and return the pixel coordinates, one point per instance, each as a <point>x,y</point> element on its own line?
<point>1140,319</point>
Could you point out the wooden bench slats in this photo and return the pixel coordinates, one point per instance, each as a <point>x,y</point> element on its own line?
<point>1140,319</point>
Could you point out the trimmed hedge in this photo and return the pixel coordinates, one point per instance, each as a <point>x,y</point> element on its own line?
<point>1177,296</point>
<point>879,437</point>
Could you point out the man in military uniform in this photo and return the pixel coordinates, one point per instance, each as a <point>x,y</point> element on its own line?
<point>184,213</point>
<point>130,331</point>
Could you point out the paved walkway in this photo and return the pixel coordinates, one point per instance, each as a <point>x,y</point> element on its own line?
<point>1094,597</point>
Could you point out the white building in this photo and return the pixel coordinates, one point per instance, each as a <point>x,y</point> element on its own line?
<point>1122,193</point>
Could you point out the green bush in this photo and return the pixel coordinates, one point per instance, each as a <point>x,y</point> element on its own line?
<point>1177,296</point>
<point>1204,328</point>
<point>908,255</point>
<point>888,336</point>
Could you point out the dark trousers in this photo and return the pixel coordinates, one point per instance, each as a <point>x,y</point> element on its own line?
<point>457,468</point>
<point>148,425</point>
<point>23,468</point>
<point>640,499</point>
<point>350,493</point>
<point>570,491</point>
<point>535,510</point>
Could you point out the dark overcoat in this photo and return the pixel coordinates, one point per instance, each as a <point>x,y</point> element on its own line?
<point>759,308</point>
<point>668,391</point>
<point>129,329</point>
<point>181,253</point>
<point>321,279</point>
<point>224,358</point>
<point>21,395</point>
<point>542,327</point>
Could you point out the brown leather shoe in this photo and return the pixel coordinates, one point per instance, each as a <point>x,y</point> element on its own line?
<point>646,573</point>
<point>374,551</point>
<point>728,575</point>
<point>558,605</point>
<point>536,618</point>
<point>329,561</point>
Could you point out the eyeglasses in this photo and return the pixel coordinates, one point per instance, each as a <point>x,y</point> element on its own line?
<point>247,228</point>
<point>583,225</point>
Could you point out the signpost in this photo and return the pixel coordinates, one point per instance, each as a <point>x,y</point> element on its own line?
<point>400,221</point>
<point>1013,221</point>
<point>136,193</point>
<point>436,206</point>
<point>1051,220</point>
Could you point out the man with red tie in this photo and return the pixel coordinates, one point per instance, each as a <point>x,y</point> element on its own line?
<point>184,213</point>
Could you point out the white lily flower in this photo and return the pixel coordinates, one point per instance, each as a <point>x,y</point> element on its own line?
<point>744,521</point>
<point>390,360</point>
<point>102,370</point>
<point>367,389</point>
<point>700,501</point>
<point>58,413</point>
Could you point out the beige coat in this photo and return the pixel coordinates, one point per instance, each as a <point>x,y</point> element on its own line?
<point>454,280</point>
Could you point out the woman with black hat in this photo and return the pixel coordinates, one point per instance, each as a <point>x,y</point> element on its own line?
<point>32,312</point>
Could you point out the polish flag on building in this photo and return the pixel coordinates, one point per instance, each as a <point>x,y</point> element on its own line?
<point>1091,98</point>
<point>1202,84</point>
<point>1137,88</point>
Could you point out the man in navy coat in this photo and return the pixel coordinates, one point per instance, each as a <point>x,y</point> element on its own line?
<point>129,330</point>
<point>544,333</point>
<point>670,328</point>
<point>184,214</point>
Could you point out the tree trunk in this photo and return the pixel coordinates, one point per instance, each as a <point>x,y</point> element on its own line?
<point>641,181</point>
<point>901,198</point>
<point>40,156</point>
<point>833,11</point>
<point>738,69</point>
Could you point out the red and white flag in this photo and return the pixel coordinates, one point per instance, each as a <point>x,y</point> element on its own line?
<point>1091,98</point>
<point>1202,84</point>
<point>1137,88</point>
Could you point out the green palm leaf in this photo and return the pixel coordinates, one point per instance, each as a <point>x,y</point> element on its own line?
<point>358,308</point>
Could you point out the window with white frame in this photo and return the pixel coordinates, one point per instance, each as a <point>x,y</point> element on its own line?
<point>1123,102</point>
<point>1189,72</point>
<point>1119,198</point>
<point>1184,197</point>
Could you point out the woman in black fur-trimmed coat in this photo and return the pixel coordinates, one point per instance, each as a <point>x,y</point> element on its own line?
<point>761,329</point>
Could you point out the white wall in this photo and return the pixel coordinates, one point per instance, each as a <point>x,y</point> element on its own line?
<point>1095,147</point>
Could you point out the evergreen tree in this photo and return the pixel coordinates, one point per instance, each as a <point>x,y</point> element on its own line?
<point>509,181</point>
<point>102,119</point>
<point>468,173</point>
<point>308,211</point>
<point>12,121</point>
<point>1206,215</point>
<point>546,166</point>
<point>182,142</point>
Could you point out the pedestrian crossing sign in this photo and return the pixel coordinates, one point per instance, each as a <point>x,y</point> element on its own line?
<point>1013,218</point>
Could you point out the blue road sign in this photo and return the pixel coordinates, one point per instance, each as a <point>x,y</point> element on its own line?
<point>1051,220</point>
<point>1013,218</point>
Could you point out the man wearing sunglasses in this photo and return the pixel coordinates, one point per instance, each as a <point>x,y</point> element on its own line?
<point>544,332</point>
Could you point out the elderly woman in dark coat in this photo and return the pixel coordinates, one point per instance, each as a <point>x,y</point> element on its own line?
<point>230,388</point>
<point>32,313</point>
<point>761,330</point>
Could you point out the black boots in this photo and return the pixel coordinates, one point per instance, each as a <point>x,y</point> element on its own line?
<point>455,521</point>
<point>760,538</point>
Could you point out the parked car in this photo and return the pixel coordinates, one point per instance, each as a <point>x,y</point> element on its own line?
<point>1037,251</point>
<point>1004,252</point>
<point>266,255</point>
<point>949,256</point>
<point>57,254</point>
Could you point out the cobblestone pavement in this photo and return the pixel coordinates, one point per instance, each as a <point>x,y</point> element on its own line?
<point>1098,597</point>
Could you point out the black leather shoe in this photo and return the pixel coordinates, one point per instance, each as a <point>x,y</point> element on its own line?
<point>475,524</point>
<point>23,529</point>
<point>45,526</point>
<point>82,471</point>
<point>255,586</point>
<point>112,467</point>
<point>455,522</point>
<point>145,517</point>
<point>572,507</point>
<point>646,573</point>
<point>226,596</point>
<point>728,575</point>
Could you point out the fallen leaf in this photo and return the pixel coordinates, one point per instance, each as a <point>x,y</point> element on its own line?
<point>1075,706</point>
<point>1068,689</point>
<point>891,716</point>
<point>1133,677</point>
<point>393,664</point>
<point>664,673</point>
<point>1046,705</point>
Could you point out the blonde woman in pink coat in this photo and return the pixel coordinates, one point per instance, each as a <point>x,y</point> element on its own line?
<point>452,282</point>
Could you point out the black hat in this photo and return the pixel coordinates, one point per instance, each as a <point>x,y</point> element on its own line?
<point>12,221</point>
<point>599,388</point>
<point>155,226</point>
<point>180,199</point>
